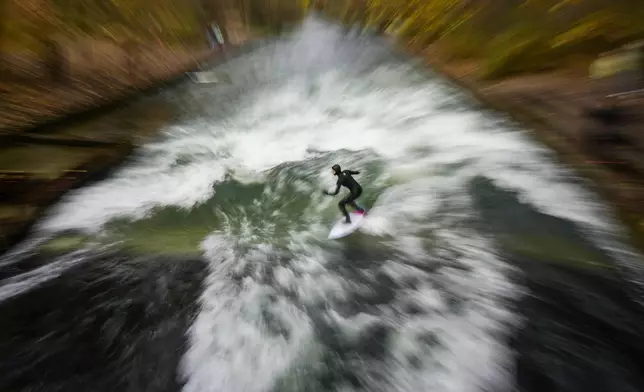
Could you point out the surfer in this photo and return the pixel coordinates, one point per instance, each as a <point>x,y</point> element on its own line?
<point>346,180</point>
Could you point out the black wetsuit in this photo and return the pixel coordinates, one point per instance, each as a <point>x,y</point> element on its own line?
<point>346,180</point>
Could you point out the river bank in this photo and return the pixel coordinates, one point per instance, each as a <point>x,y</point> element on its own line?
<point>552,104</point>
<point>58,138</point>
<point>48,149</point>
<point>27,105</point>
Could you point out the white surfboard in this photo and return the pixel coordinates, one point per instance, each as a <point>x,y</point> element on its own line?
<point>341,229</point>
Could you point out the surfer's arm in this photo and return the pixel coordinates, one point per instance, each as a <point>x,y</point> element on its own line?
<point>353,172</point>
<point>335,192</point>
<point>337,188</point>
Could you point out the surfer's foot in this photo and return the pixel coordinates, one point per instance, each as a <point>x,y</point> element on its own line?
<point>347,221</point>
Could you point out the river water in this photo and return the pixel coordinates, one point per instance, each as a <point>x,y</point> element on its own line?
<point>203,265</point>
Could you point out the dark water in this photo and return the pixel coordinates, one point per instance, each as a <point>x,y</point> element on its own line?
<point>203,265</point>
<point>112,323</point>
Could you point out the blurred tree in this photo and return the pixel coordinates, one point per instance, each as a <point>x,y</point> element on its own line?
<point>26,23</point>
<point>509,35</point>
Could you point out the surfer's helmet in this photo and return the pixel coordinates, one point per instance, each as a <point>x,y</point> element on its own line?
<point>336,169</point>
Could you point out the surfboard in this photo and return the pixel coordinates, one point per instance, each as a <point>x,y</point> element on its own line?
<point>341,229</point>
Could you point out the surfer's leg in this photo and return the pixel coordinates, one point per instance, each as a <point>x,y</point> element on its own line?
<point>343,207</point>
<point>356,206</point>
<point>352,201</point>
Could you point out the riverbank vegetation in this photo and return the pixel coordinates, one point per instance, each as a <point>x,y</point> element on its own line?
<point>44,33</point>
<point>26,24</point>
<point>507,36</point>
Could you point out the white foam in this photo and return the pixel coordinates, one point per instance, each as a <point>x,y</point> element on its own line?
<point>19,284</point>
<point>463,353</point>
<point>134,192</point>
<point>230,340</point>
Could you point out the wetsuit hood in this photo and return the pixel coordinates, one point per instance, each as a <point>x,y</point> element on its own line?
<point>336,169</point>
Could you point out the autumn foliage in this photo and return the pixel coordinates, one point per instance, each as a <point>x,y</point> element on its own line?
<point>507,35</point>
